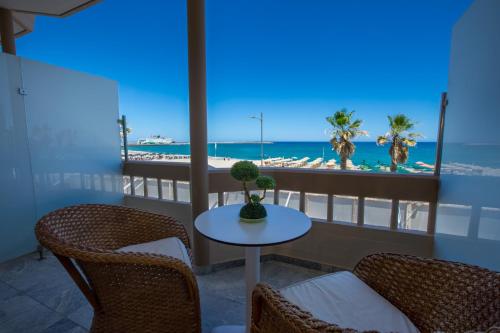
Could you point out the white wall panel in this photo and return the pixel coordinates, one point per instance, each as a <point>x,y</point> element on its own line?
<point>73,136</point>
<point>59,146</point>
<point>468,221</point>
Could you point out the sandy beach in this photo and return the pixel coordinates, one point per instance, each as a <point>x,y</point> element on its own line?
<point>215,162</point>
<point>306,162</point>
<point>227,162</point>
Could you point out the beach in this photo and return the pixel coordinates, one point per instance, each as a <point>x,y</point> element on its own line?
<point>215,162</point>
<point>305,162</point>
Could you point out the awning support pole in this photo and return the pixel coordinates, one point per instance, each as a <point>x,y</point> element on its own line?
<point>198,123</point>
<point>7,31</point>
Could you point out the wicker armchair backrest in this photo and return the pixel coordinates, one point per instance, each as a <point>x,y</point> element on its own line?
<point>101,227</point>
<point>436,295</point>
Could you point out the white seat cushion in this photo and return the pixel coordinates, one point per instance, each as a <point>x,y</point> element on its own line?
<point>343,299</point>
<point>171,246</point>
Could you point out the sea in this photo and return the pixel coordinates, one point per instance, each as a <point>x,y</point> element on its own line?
<point>367,154</point>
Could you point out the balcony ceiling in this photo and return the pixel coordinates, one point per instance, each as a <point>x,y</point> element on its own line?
<point>25,11</point>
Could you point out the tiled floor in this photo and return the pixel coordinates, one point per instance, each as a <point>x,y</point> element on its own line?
<point>38,296</point>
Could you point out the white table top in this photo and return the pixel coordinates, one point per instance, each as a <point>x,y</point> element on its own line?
<point>223,225</point>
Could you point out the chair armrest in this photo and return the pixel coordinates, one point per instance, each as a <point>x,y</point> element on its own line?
<point>436,295</point>
<point>272,313</point>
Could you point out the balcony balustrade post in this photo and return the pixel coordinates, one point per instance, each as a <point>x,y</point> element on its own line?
<point>394,214</point>
<point>174,190</point>
<point>145,186</point>
<point>113,181</point>
<point>431,221</point>
<point>361,211</point>
<point>302,202</point>
<point>198,122</point>
<point>475,217</point>
<point>7,31</point>
<point>329,208</point>
<point>160,189</point>
<point>132,185</point>
<point>220,199</point>
<point>276,196</point>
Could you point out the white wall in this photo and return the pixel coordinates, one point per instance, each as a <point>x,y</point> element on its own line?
<point>59,146</point>
<point>468,222</point>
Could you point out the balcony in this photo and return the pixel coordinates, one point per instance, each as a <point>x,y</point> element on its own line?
<point>122,251</point>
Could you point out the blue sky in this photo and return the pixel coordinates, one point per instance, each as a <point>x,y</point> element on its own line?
<point>295,60</point>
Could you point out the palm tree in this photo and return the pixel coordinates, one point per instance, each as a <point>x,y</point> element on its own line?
<point>344,130</point>
<point>400,138</point>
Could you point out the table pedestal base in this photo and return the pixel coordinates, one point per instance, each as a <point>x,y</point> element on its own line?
<point>229,329</point>
<point>252,277</point>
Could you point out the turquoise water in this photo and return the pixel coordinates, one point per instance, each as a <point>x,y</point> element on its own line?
<point>367,153</point>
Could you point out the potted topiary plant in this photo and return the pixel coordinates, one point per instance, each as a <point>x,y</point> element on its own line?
<point>246,172</point>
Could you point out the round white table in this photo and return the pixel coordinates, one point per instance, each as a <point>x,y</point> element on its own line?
<point>223,225</point>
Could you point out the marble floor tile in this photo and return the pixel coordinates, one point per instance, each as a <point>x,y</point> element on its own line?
<point>7,291</point>
<point>217,310</point>
<point>28,273</point>
<point>21,313</point>
<point>64,299</point>
<point>39,297</point>
<point>65,326</point>
<point>83,316</point>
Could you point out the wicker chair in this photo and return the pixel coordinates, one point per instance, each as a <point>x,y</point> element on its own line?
<point>435,295</point>
<point>130,292</point>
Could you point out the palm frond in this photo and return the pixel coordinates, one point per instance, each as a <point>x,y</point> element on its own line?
<point>391,121</point>
<point>382,140</point>
<point>409,142</point>
<point>331,120</point>
<point>356,124</point>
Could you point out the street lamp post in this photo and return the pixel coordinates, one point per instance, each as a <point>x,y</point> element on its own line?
<point>261,119</point>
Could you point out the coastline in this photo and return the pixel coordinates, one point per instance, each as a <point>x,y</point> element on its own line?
<point>304,163</point>
<point>210,143</point>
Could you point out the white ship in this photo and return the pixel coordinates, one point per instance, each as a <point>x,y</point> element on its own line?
<point>155,140</point>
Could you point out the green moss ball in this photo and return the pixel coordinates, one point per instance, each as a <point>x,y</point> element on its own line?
<point>253,211</point>
<point>265,182</point>
<point>244,171</point>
